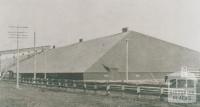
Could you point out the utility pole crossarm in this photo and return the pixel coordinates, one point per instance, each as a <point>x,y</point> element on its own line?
<point>18,26</point>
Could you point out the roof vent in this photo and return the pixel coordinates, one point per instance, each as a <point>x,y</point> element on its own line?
<point>80,40</point>
<point>125,29</point>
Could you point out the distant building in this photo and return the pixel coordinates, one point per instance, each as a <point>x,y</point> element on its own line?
<point>104,58</point>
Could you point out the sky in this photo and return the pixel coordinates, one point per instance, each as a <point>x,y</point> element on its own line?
<point>63,22</point>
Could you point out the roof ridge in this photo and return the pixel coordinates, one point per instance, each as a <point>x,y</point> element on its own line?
<point>168,42</point>
<point>103,37</point>
<point>123,36</point>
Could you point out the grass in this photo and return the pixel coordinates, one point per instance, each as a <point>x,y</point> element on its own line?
<point>28,96</point>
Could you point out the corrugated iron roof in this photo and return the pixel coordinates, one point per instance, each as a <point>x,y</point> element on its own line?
<point>74,58</point>
<point>146,54</point>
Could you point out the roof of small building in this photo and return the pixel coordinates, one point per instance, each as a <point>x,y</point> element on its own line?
<point>182,75</point>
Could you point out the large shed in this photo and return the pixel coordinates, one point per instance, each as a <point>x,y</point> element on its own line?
<point>105,58</point>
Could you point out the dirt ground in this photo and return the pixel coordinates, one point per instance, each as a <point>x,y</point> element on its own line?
<point>28,96</point>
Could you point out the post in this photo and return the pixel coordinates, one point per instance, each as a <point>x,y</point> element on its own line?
<point>6,67</point>
<point>45,66</point>
<point>122,90</point>
<point>108,89</point>
<point>45,75</point>
<point>95,88</point>
<point>17,86</point>
<point>0,66</point>
<point>74,85</point>
<point>138,91</point>
<point>161,93</point>
<point>34,77</point>
<point>47,82</point>
<point>66,83</point>
<point>127,61</point>
<point>84,87</point>
<point>17,35</point>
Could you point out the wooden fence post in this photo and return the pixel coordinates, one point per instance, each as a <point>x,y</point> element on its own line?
<point>161,93</point>
<point>95,88</point>
<point>47,83</point>
<point>122,90</point>
<point>66,84</point>
<point>33,81</point>
<point>22,80</point>
<point>74,85</point>
<point>84,87</point>
<point>108,89</point>
<point>59,83</point>
<point>29,80</point>
<point>138,91</point>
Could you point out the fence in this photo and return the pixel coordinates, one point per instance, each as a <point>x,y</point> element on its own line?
<point>108,87</point>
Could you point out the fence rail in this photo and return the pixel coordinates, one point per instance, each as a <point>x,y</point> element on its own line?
<point>105,87</point>
<point>108,87</point>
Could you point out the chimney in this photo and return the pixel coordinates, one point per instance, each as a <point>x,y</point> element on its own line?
<point>80,40</point>
<point>125,29</point>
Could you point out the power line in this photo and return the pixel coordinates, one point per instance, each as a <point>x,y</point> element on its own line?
<point>17,34</point>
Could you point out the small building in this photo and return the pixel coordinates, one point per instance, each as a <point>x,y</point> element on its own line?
<point>182,87</point>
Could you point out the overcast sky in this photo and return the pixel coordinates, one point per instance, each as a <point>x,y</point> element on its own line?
<point>62,22</point>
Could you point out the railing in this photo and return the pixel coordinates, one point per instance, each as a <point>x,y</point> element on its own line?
<point>107,87</point>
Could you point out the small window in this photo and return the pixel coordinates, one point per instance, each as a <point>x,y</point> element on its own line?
<point>181,84</point>
<point>173,83</point>
<point>190,83</point>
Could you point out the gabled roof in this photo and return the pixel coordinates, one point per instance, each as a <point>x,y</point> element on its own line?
<point>146,54</point>
<point>74,58</point>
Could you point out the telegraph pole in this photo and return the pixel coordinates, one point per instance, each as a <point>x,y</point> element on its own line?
<point>35,66</point>
<point>17,59</point>
<point>45,65</point>
<point>0,65</point>
<point>127,61</point>
<point>17,35</point>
